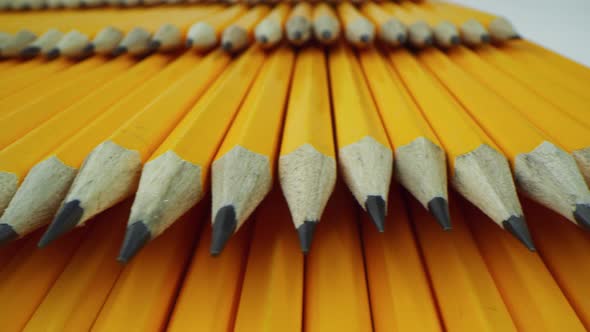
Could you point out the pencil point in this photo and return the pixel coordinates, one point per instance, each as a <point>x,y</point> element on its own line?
<point>7,234</point>
<point>401,38</point>
<point>223,227</point>
<point>517,226</point>
<point>365,38</point>
<point>517,36</point>
<point>136,236</point>
<point>455,40</point>
<point>297,35</point>
<point>439,208</point>
<point>263,40</point>
<point>66,219</point>
<point>189,43</point>
<point>306,231</point>
<point>429,41</point>
<point>326,34</point>
<point>227,46</point>
<point>88,49</point>
<point>154,45</point>
<point>30,52</point>
<point>25,7</point>
<point>119,50</point>
<point>486,39</point>
<point>375,206</point>
<point>54,53</point>
<point>582,215</point>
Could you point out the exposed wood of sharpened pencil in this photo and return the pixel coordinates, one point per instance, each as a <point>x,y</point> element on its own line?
<point>364,151</point>
<point>419,33</point>
<point>390,30</point>
<point>326,25</point>
<point>239,34</point>
<point>446,34</point>
<point>298,28</point>
<point>473,33</point>
<point>114,166</point>
<point>358,30</point>
<point>269,32</point>
<point>205,34</point>
<point>174,177</point>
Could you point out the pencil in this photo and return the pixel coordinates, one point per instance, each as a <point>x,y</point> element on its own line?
<point>566,131</point>
<point>327,299</point>
<point>455,266</point>
<point>543,170</point>
<point>473,157</point>
<point>205,34</point>
<point>419,33</point>
<point>272,288</point>
<point>269,31</point>
<point>172,251</point>
<point>499,28</point>
<point>307,164</point>
<point>398,284</point>
<point>238,35</point>
<point>243,169</point>
<point>76,297</point>
<point>445,33</point>
<point>515,269</point>
<point>31,207</point>
<point>212,280</point>
<point>390,30</point>
<point>419,158</point>
<point>177,164</point>
<point>364,151</point>
<point>473,33</point>
<point>359,31</point>
<point>28,77</point>
<point>14,45</point>
<point>299,24</point>
<point>43,44</point>
<point>326,26</point>
<point>572,67</point>
<point>118,160</point>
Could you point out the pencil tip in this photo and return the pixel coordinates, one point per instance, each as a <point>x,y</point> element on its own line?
<point>439,208</point>
<point>25,6</point>
<point>582,215</point>
<point>224,227</point>
<point>227,46</point>
<point>486,39</point>
<point>263,39</point>
<point>30,52</point>
<point>66,219</point>
<point>306,231</point>
<point>7,234</point>
<point>154,45</point>
<point>365,38</point>
<point>297,35</point>
<point>136,236</point>
<point>401,38</point>
<point>375,205</point>
<point>189,43</point>
<point>119,50</point>
<point>517,226</point>
<point>455,40</point>
<point>517,36</point>
<point>88,49</point>
<point>429,41</point>
<point>54,53</point>
<point>326,34</point>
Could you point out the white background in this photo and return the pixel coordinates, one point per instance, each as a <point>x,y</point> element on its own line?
<point>560,25</point>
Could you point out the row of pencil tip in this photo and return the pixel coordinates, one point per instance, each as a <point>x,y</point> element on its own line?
<point>236,27</point>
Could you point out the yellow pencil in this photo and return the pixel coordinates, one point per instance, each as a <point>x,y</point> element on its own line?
<point>358,30</point>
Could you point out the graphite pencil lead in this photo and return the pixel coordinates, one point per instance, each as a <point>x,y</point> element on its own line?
<point>119,50</point>
<point>455,40</point>
<point>66,219</point>
<point>136,236</point>
<point>223,227</point>
<point>439,208</point>
<point>375,206</point>
<point>154,45</point>
<point>88,49</point>
<point>516,225</point>
<point>54,53</point>
<point>305,232</point>
<point>189,43</point>
<point>227,46</point>
<point>7,234</point>
<point>582,215</point>
<point>30,52</point>
<point>486,39</point>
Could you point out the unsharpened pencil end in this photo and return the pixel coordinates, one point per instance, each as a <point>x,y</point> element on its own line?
<point>154,45</point>
<point>54,53</point>
<point>189,43</point>
<point>582,215</point>
<point>7,234</point>
<point>375,206</point>
<point>486,39</point>
<point>439,208</point>
<point>305,232</point>
<point>136,237</point>
<point>67,218</point>
<point>30,52</point>
<point>119,50</point>
<point>516,225</point>
<point>227,46</point>
<point>224,227</point>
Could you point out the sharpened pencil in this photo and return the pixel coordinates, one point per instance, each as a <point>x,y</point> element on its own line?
<point>390,30</point>
<point>240,33</point>
<point>298,27</point>
<point>205,34</point>
<point>326,25</point>
<point>420,34</point>
<point>269,32</point>
<point>358,30</point>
